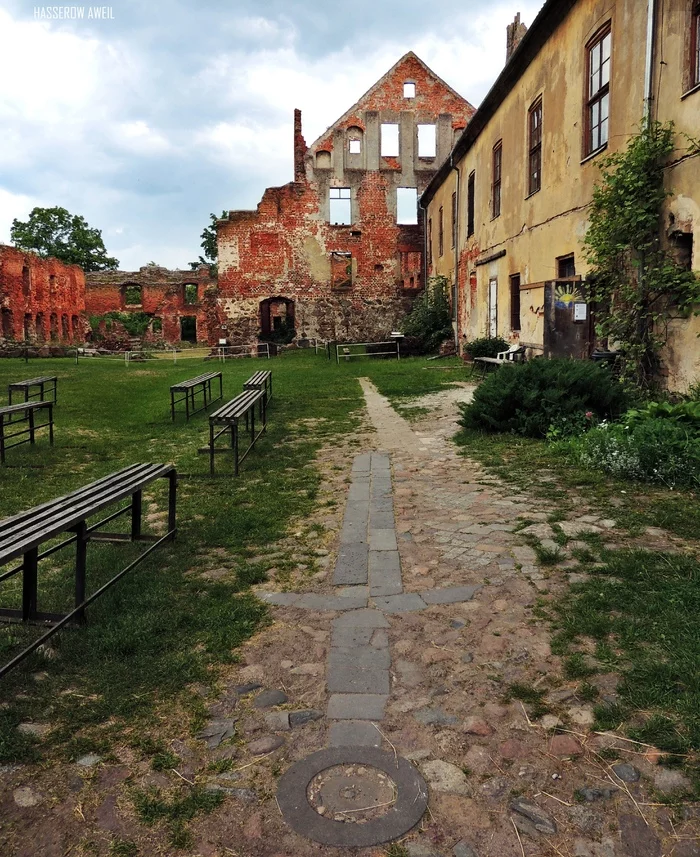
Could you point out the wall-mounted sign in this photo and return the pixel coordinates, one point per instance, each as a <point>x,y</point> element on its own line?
<point>580,311</point>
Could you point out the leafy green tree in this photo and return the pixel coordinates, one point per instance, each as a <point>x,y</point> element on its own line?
<point>56,232</point>
<point>430,319</point>
<point>208,244</point>
<point>636,284</point>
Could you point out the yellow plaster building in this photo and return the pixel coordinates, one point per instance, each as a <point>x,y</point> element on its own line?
<point>516,189</point>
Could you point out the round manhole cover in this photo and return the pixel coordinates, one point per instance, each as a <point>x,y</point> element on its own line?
<point>352,796</point>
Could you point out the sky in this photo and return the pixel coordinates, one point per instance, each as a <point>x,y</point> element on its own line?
<point>152,116</point>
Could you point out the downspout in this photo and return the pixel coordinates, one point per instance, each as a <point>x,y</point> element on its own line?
<point>649,60</point>
<point>455,228</point>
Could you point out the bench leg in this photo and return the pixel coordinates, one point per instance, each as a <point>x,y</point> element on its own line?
<point>31,427</point>
<point>172,405</point>
<point>80,567</point>
<point>29,584</point>
<point>234,441</point>
<point>172,501</point>
<point>2,438</point>
<point>51,425</point>
<point>211,449</point>
<point>136,509</point>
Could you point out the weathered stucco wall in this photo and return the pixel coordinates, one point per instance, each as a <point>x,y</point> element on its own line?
<point>163,296</point>
<point>41,300</point>
<point>534,231</point>
<point>355,280</point>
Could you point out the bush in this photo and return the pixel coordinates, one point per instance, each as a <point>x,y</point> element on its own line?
<point>526,398</point>
<point>486,347</point>
<point>655,450</point>
<point>430,320</point>
<point>686,413</point>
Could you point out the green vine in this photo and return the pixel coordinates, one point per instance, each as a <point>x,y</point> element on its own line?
<point>430,319</point>
<point>636,285</point>
<point>135,323</point>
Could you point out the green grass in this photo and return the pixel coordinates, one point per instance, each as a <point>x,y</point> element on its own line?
<point>175,811</point>
<point>641,608</point>
<point>163,627</point>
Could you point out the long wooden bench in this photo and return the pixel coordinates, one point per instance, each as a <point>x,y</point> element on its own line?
<point>20,421</point>
<point>47,388</point>
<point>22,536</point>
<point>260,381</point>
<point>226,420</point>
<point>200,384</point>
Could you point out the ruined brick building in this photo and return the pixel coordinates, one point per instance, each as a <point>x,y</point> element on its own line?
<point>41,300</point>
<point>337,253</point>
<point>182,304</point>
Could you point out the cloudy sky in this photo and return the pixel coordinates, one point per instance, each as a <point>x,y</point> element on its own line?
<point>146,121</point>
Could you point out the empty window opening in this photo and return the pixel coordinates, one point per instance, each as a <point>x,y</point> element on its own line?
<point>26,281</point>
<point>470,203</point>
<point>566,267</point>
<point>598,101</point>
<point>426,141</point>
<point>65,330</point>
<point>496,185</point>
<point>188,328</point>
<point>27,326</point>
<point>340,206</point>
<point>39,326</point>
<point>53,326</point>
<point>515,302</point>
<point>409,89</point>
<point>75,327</point>
<point>390,141</point>
<point>132,294</point>
<point>355,147</point>
<point>682,249</point>
<point>7,324</point>
<point>341,270</point>
<point>191,293</point>
<point>535,147</point>
<point>407,205</point>
<point>157,325</point>
<point>441,234</point>
<point>52,284</point>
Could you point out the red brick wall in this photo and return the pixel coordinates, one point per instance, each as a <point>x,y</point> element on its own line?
<point>41,300</point>
<point>162,296</point>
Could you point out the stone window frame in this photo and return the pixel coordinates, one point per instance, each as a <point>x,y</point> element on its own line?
<point>596,130</point>
<point>694,58</point>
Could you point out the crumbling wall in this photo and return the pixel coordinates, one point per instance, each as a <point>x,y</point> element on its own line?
<point>41,300</point>
<point>162,294</point>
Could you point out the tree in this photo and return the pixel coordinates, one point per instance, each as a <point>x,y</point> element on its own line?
<point>56,232</point>
<point>635,283</point>
<point>430,319</point>
<point>208,244</point>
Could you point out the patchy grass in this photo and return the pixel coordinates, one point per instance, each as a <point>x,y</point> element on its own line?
<point>544,472</point>
<point>175,811</point>
<point>641,610</point>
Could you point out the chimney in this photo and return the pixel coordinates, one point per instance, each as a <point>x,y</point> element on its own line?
<point>514,35</point>
<point>299,149</point>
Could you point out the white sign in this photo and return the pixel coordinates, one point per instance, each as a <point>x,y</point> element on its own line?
<point>580,311</point>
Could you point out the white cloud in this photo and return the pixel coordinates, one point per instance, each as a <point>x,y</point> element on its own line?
<point>138,137</point>
<point>13,205</point>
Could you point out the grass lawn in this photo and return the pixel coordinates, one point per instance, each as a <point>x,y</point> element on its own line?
<point>161,629</point>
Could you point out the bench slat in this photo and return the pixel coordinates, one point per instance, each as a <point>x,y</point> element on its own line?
<point>24,406</point>
<point>236,407</point>
<point>192,382</point>
<point>30,528</point>
<point>32,381</point>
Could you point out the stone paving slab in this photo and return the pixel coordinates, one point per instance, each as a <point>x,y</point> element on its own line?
<point>357,513</point>
<point>352,565</point>
<point>362,657</point>
<point>357,706</point>
<point>450,594</point>
<point>354,532</point>
<point>381,487</point>
<point>381,461</point>
<point>330,602</point>
<point>350,677</point>
<point>279,599</point>
<point>383,540</point>
<point>367,618</point>
<point>385,573</point>
<point>381,520</point>
<point>358,493</point>
<point>381,504</point>
<point>343,637</point>
<point>353,733</point>
<point>362,462</point>
<point>405,603</point>
<point>359,591</point>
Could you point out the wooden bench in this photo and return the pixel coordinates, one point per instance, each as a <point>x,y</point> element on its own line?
<point>25,427</point>
<point>260,381</point>
<point>227,419</point>
<point>45,385</point>
<point>22,535</point>
<point>515,354</point>
<point>200,384</point>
